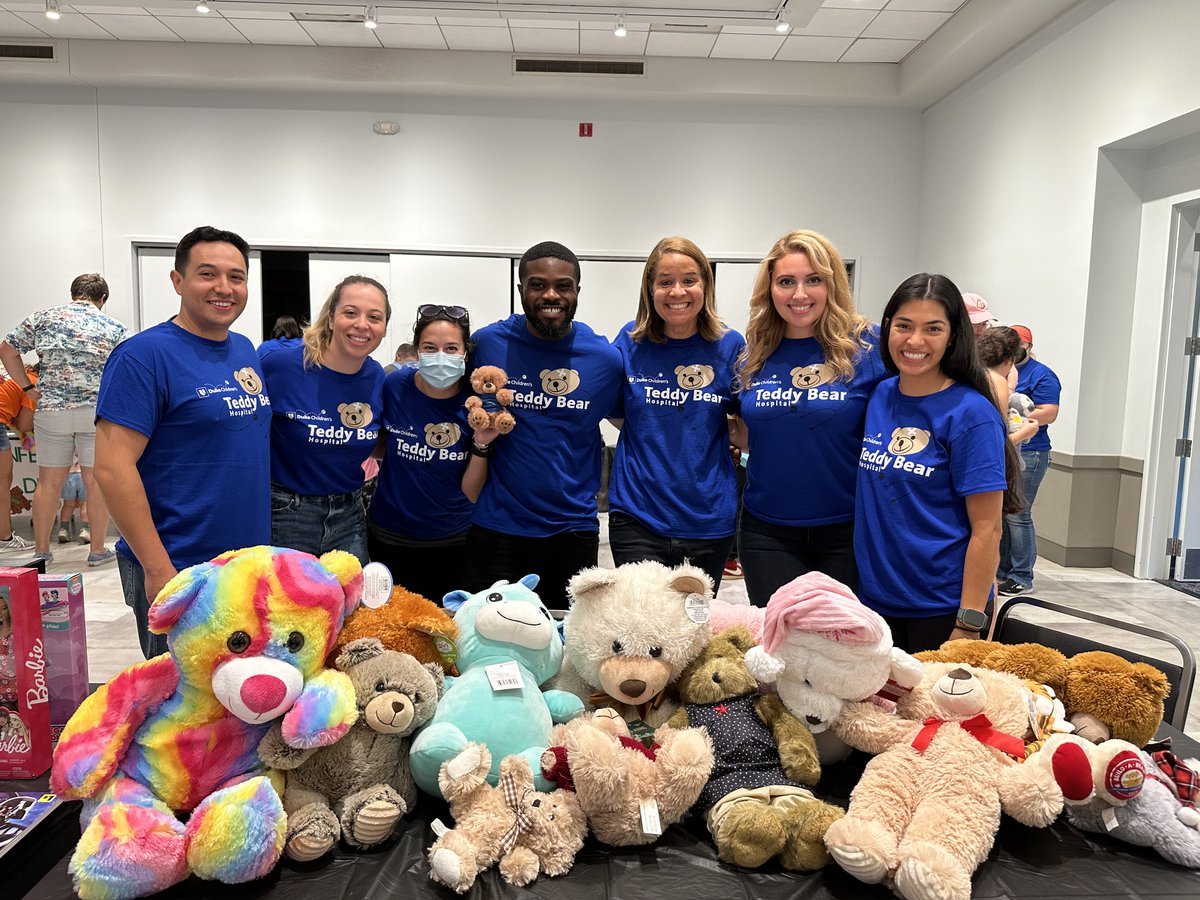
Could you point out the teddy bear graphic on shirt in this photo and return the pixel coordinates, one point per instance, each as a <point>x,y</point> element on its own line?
<point>812,376</point>
<point>907,440</point>
<point>442,434</point>
<point>559,382</point>
<point>694,377</point>
<point>249,380</point>
<point>355,415</point>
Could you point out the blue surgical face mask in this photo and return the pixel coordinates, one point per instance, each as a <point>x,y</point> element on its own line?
<point>441,370</point>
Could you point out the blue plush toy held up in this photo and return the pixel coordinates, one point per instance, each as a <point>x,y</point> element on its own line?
<point>506,632</point>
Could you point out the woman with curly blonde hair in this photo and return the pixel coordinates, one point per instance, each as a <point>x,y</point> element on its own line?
<point>804,378</point>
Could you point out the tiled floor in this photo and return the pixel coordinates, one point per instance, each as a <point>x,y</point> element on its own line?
<point>113,644</point>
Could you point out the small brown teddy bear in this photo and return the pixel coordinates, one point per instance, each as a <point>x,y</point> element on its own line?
<point>613,774</point>
<point>526,831</point>
<point>926,810</point>
<point>407,623</point>
<point>488,409</point>
<point>755,802</point>
<point>358,787</point>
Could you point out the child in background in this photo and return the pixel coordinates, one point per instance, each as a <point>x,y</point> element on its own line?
<point>74,496</point>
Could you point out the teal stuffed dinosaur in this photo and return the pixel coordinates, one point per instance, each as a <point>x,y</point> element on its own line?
<point>504,624</point>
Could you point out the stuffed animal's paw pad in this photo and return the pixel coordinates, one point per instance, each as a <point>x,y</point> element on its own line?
<point>375,822</point>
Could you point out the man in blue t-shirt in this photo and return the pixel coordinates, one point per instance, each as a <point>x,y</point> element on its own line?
<point>1018,543</point>
<point>537,510</point>
<point>183,430</point>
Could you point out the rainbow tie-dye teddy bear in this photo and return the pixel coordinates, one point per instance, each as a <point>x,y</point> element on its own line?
<point>248,634</point>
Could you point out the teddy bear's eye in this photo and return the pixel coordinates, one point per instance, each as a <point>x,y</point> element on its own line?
<point>417,697</point>
<point>295,641</point>
<point>238,642</point>
<point>656,652</point>
<point>617,648</point>
<point>717,677</point>
<point>494,597</point>
<point>380,687</point>
<point>536,804</point>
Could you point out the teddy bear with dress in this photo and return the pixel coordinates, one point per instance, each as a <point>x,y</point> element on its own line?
<point>166,753</point>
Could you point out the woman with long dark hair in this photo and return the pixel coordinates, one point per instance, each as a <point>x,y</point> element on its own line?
<point>935,475</point>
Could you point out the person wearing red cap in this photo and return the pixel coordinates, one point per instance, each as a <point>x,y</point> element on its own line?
<point>1018,543</point>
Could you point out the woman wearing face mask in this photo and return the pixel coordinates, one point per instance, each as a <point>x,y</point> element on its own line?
<point>433,464</point>
<point>326,397</point>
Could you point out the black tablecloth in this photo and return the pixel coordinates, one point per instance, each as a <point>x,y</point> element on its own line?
<point>1053,863</point>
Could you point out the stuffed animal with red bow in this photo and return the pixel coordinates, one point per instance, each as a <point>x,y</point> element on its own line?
<point>946,766</point>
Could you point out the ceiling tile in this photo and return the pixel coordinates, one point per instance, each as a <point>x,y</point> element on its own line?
<point>750,29</point>
<point>204,30</point>
<point>631,27</point>
<point>38,8</point>
<point>814,49</point>
<point>273,31</point>
<point>464,21</point>
<point>838,23</point>
<point>340,34</point>
<point>566,24</point>
<point>135,28</point>
<point>12,25</point>
<point>855,4</point>
<point>87,9</point>
<point>411,37</point>
<point>69,26</point>
<point>875,50</point>
<point>913,26</point>
<point>927,5</point>
<point>393,19</point>
<point>544,40</point>
<point>257,14</point>
<point>608,44</point>
<point>746,46</point>
<point>476,38</point>
<point>666,43</point>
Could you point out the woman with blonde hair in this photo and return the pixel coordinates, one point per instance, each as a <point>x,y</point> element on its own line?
<point>804,378</point>
<point>672,494</point>
<point>326,401</point>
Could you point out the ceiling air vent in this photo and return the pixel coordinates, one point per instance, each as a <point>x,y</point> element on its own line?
<point>27,51</point>
<point>525,65</point>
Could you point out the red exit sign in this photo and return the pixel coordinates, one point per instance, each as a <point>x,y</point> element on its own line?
<point>585,129</point>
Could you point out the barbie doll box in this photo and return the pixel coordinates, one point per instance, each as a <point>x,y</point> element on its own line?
<point>24,693</point>
<point>65,635</point>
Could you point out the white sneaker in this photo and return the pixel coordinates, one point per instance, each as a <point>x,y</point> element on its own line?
<point>15,544</point>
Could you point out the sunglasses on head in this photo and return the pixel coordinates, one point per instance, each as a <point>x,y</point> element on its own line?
<point>436,310</point>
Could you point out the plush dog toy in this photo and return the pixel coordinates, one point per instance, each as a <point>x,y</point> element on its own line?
<point>487,410</point>
<point>506,633</point>
<point>615,776</point>
<point>926,810</point>
<point>359,787</point>
<point>527,832</point>
<point>248,635</point>
<point>756,803</point>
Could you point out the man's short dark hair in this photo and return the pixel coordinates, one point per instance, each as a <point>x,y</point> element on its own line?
<point>547,250</point>
<point>206,234</point>
<point>286,327</point>
<point>91,286</point>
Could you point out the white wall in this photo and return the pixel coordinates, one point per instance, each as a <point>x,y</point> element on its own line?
<point>309,172</point>
<point>1009,191</point>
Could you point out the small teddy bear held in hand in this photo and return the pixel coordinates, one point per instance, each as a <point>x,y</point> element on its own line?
<point>487,410</point>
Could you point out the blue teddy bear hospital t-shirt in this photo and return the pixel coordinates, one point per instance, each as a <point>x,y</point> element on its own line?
<point>920,458</point>
<point>544,474</point>
<point>325,423</point>
<point>672,470</point>
<point>206,413</point>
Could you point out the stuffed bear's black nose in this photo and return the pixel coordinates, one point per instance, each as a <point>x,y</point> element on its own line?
<point>959,674</point>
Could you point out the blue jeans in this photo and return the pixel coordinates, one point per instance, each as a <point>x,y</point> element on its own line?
<point>319,524</point>
<point>1018,542</point>
<point>133,586</point>
<point>631,541</point>
<point>773,555</point>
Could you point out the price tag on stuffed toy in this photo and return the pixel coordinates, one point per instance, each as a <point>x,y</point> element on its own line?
<point>695,607</point>
<point>1109,816</point>
<point>504,676</point>
<point>651,824</point>
<point>446,649</point>
<point>439,827</point>
<point>377,585</point>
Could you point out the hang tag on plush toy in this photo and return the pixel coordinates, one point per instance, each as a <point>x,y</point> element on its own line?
<point>695,607</point>
<point>505,676</point>
<point>1110,818</point>
<point>651,823</point>
<point>446,650</point>
<point>439,827</point>
<point>377,585</point>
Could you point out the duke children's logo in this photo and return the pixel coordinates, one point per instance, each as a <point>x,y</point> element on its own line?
<point>352,424</point>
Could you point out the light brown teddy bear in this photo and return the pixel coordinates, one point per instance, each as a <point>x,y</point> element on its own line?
<point>926,810</point>
<point>615,776</point>
<point>487,410</point>
<point>524,830</point>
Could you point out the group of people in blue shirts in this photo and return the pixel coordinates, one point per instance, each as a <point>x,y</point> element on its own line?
<point>876,453</point>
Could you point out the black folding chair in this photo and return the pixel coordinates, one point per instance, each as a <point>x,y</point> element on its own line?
<point>1011,628</point>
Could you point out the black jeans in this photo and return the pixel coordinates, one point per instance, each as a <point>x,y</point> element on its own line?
<point>772,555</point>
<point>927,633</point>
<point>494,556</point>
<point>631,541</point>
<point>431,569</point>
